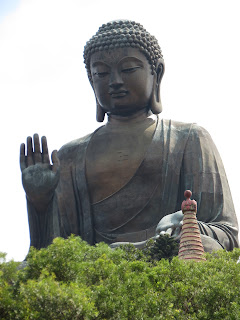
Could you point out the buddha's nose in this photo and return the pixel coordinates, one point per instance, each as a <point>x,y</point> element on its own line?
<point>116,80</point>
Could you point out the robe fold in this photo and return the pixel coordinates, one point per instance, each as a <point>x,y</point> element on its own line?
<point>181,156</point>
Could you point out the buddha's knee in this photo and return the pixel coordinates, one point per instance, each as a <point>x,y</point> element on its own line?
<point>209,244</point>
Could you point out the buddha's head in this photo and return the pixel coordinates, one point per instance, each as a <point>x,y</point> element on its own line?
<point>125,67</point>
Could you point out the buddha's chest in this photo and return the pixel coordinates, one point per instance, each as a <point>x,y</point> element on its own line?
<point>112,159</point>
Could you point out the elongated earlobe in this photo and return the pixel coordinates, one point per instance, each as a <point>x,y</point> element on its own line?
<point>100,112</point>
<point>156,104</point>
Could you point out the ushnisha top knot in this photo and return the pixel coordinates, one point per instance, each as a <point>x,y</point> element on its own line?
<point>119,34</point>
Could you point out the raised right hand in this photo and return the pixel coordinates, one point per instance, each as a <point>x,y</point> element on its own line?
<point>39,177</point>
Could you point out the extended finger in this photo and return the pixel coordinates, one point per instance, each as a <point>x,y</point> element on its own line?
<point>169,231</point>
<point>29,152</point>
<point>37,151</point>
<point>23,164</point>
<point>55,161</point>
<point>45,155</point>
<point>163,227</point>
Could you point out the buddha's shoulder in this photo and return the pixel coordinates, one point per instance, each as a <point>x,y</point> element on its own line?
<point>74,146</point>
<point>185,128</point>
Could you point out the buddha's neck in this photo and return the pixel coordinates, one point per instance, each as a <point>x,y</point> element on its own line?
<point>139,119</point>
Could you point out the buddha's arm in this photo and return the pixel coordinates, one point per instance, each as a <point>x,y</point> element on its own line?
<point>40,180</point>
<point>50,220</point>
<point>203,173</point>
<point>43,227</point>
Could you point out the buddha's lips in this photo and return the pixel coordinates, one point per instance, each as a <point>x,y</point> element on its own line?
<point>118,94</point>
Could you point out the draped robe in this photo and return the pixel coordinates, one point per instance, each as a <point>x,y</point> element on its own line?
<point>181,156</point>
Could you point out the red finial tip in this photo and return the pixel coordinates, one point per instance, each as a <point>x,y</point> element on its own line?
<point>188,194</point>
<point>188,204</point>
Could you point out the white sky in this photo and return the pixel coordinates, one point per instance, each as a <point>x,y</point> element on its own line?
<point>44,87</point>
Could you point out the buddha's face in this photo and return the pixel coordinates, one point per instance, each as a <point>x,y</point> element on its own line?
<point>122,80</point>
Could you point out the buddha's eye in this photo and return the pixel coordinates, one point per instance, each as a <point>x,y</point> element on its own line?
<point>130,70</point>
<point>100,74</point>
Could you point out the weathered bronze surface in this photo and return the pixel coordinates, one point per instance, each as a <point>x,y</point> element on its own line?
<point>125,182</point>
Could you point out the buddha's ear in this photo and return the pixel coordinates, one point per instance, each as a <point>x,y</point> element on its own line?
<point>100,113</point>
<point>156,104</point>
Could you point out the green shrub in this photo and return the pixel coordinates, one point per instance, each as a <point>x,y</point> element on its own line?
<point>72,280</point>
<point>165,247</point>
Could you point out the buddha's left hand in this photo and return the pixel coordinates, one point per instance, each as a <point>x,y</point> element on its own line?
<point>170,224</point>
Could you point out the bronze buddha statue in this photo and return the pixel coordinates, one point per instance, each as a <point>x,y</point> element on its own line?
<point>125,181</point>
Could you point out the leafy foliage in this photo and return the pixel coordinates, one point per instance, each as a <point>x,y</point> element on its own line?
<point>165,247</point>
<point>72,280</point>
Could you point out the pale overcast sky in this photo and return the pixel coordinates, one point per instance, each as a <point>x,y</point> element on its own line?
<point>44,87</point>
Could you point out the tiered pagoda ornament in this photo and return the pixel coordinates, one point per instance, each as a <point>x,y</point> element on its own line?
<point>191,247</point>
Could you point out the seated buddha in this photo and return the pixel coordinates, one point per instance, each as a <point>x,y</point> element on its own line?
<point>125,181</point>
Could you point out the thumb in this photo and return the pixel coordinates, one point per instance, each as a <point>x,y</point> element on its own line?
<point>55,161</point>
